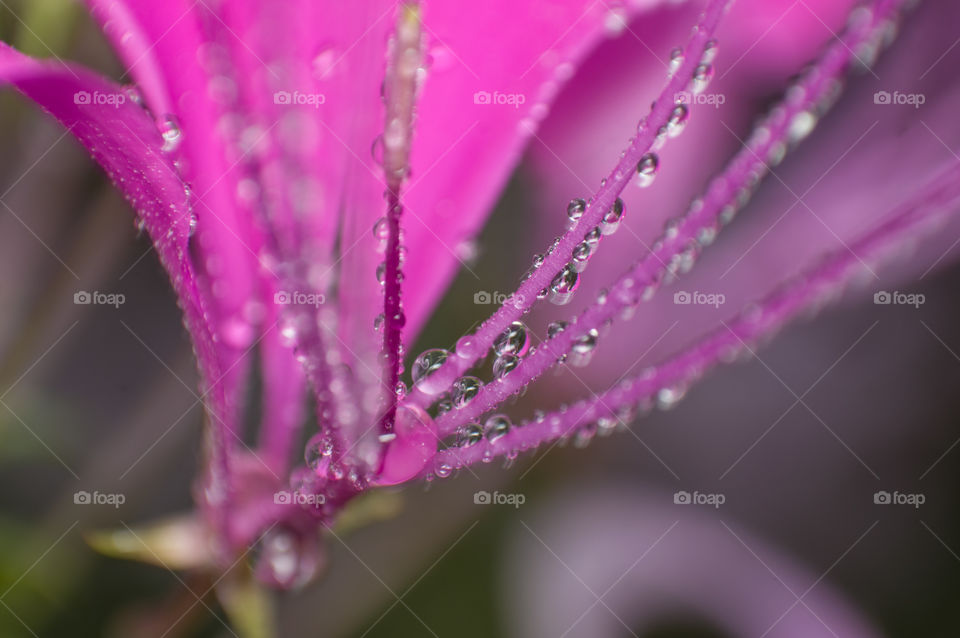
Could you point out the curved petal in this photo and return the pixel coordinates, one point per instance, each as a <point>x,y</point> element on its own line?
<point>123,139</point>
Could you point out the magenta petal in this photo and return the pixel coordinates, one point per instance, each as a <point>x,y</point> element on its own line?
<point>125,142</point>
<point>490,82</point>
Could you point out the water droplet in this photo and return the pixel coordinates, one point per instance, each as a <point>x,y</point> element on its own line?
<point>426,364</point>
<point>583,347</point>
<point>496,427</point>
<point>678,120</point>
<point>504,365</point>
<point>465,389</point>
<point>471,435</point>
<point>709,52</point>
<point>575,210</point>
<point>378,322</point>
<point>564,284</point>
<point>443,470</point>
<point>172,135</point>
<point>615,22</point>
<point>676,59</point>
<point>381,233</point>
<point>581,255</point>
<point>513,340</point>
<point>669,397</point>
<point>610,221</point>
<point>647,169</point>
<point>381,273</point>
<point>284,559</point>
<point>801,125</point>
<point>324,63</point>
<point>556,328</point>
<point>702,75</point>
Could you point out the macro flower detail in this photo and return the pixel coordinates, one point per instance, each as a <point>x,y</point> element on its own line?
<point>311,184</point>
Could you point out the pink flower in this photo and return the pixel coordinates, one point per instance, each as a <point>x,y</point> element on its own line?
<point>261,139</point>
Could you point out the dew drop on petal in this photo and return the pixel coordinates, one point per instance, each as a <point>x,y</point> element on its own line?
<point>563,285</point>
<point>171,133</point>
<point>647,169</point>
<point>381,233</point>
<point>575,209</point>
<point>465,389</point>
<point>283,559</point>
<point>582,350</point>
<point>504,365</point>
<point>610,221</point>
<point>496,427</point>
<point>470,435</point>
<point>513,340</point>
<point>678,120</point>
<point>425,365</point>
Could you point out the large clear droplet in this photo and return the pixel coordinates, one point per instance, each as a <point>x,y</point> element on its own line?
<point>504,365</point>
<point>471,435</point>
<point>580,256</point>
<point>425,365</point>
<point>564,284</point>
<point>496,427</point>
<point>284,559</point>
<point>610,221</point>
<point>465,389</point>
<point>647,169</point>
<point>582,350</point>
<point>513,340</point>
<point>575,210</point>
<point>170,130</point>
<point>381,233</point>
<point>678,120</point>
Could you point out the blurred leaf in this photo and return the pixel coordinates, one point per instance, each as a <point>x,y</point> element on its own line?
<point>248,605</point>
<point>371,507</point>
<point>176,543</point>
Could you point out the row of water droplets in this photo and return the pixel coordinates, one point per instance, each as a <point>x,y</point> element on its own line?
<point>767,149</point>
<point>509,348</point>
